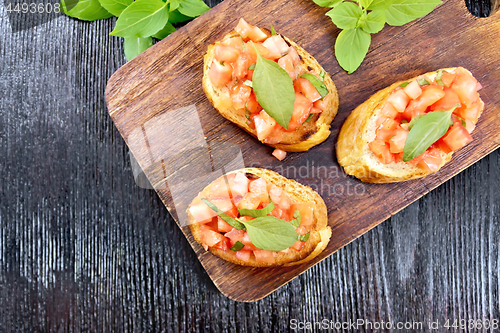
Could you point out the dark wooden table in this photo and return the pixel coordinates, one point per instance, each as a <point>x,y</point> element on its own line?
<point>83,248</point>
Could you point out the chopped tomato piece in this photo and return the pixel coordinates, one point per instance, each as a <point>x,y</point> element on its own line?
<point>243,28</point>
<point>302,230</point>
<point>315,110</point>
<point>210,237</point>
<point>201,212</point>
<point>388,124</point>
<point>235,42</point>
<point>413,89</point>
<point>252,105</point>
<point>301,110</point>
<point>263,51</point>
<point>243,255</point>
<point>220,74</point>
<point>222,225</point>
<point>279,154</point>
<point>465,85</point>
<point>298,245</point>
<point>397,141</point>
<point>259,188</point>
<point>249,201</point>
<point>257,35</point>
<point>447,78</point>
<point>294,55</point>
<point>306,210</point>
<point>430,95</point>
<point>225,53</point>
<point>220,187</point>
<point>274,50</point>
<point>276,135</point>
<point>279,213</point>
<point>264,256</point>
<point>264,125</point>
<point>286,63</point>
<point>238,185</point>
<point>381,150</point>
<point>385,135</point>
<point>449,100</point>
<point>399,99</point>
<point>469,126</point>
<point>471,112</point>
<point>305,87</point>
<point>235,236</point>
<point>241,66</point>
<point>457,137</point>
<point>280,43</point>
<point>279,197</point>
<point>320,104</point>
<point>430,160</point>
<point>240,93</point>
<point>388,111</point>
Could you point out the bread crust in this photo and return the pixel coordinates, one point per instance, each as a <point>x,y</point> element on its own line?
<point>303,138</point>
<point>353,141</point>
<point>320,231</point>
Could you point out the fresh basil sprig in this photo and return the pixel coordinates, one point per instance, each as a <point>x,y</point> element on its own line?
<point>425,131</point>
<point>274,90</point>
<point>271,233</point>
<point>257,212</point>
<point>360,18</point>
<point>138,21</point>
<point>320,86</point>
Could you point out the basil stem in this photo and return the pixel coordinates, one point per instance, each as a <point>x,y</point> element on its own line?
<point>309,118</point>
<point>273,32</point>
<point>231,221</point>
<point>257,212</point>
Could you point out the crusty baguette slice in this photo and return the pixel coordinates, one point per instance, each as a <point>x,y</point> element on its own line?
<point>303,138</point>
<point>354,154</point>
<point>320,231</point>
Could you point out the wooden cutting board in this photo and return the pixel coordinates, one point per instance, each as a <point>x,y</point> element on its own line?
<point>166,80</point>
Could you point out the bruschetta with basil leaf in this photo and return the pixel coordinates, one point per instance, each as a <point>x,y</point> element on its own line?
<point>270,87</point>
<point>411,128</point>
<point>255,217</point>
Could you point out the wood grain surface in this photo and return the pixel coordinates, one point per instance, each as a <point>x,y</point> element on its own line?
<point>144,96</point>
<point>82,248</point>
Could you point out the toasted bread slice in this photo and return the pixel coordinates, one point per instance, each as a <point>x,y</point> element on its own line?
<point>320,231</point>
<point>354,154</point>
<point>308,135</point>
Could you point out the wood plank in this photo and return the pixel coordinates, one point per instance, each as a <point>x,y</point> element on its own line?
<point>168,76</point>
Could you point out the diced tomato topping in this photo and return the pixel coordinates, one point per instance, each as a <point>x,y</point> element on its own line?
<point>235,42</point>
<point>225,53</point>
<point>241,66</point>
<point>279,213</point>
<point>264,125</point>
<point>257,35</point>
<point>279,154</point>
<point>447,78</point>
<point>239,184</point>
<point>471,112</point>
<point>465,86</point>
<point>243,255</point>
<point>286,63</point>
<point>315,110</point>
<point>274,50</point>
<point>301,110</point>
<point>430,95</point>
<point>305,87</point>
<point>210,237</point>
<point>263,51</point>
<point>220,74</point>
<point>429,161</point>
<point>320,104</point>
<point>388,111</point>
<point>252,105</point>
<point>457,137</point>
<point>276,135</point>
<point>220,187</point>
<point>201,212</point>
<point>259,188</point>
<point>306,210</point>
<point>388,124</point>
<point>294,55</point>
<point>381,150</point>
<point>264,256</point>
<point>302,230</point>
<point>243,28</point>
<point>399,99</point>
<point>249,201</point>
<point>279,197</point>
<point>240,93</point>
<point>449,100</point>
<point>222,225</point>
<point>413,89</point>
<point>469,126</point>
<point>397,141</point>
<point>298,245</point>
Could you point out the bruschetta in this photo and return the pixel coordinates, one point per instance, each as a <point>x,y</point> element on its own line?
<point>255,217</point>
<point>228,71</point>
<point>411,128</point>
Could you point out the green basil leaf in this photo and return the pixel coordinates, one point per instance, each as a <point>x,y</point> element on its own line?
<point>381,4</point>
<point>143,18</point>
<point>296,219</point>
<point>167,30</point>
<point>231,221</point>
<point>346,15</point>
<point>320,86</point>
<point>351,47</point>
<point>251,67</point>
<point>115,7</point>
<point>414,120</point>
<point>365,3</point>
<point>404,11</point>
<point>270,233</point>
<point>438,77</point>
<point>328,3</point>
<point>237,246</point>
<point>174,4</point>
<point>322,75</point>
<point>175,17</point>
<point>373,22</point>
<point>309,117</point>
<point>404,84</point>
<point>134,46</point>
<point>274,90</point>
<point>192,8</point>
<point>273,32</point>
<point>257,212</point>
<point>304,238</point>
<point>427,129</point>
<point>87,10</point>
<point>423,82</point>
